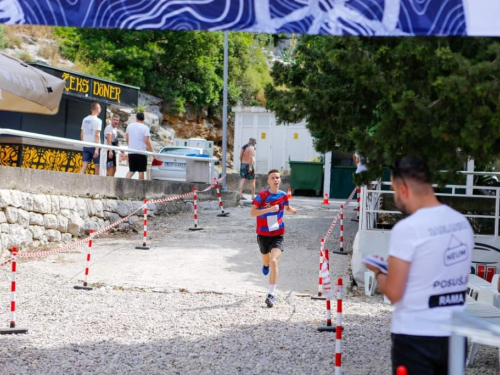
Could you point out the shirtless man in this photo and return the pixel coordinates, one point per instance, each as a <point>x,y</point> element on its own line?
<point>247,162</point>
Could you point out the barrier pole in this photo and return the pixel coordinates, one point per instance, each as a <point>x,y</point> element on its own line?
<point>328,327</point>
<point>145,234</point>
<point>358,200</point>
<point>12,326</point>
<point>320,279</point>
<point>195,208</point>
<point>341,250</point>
<point>338,341</point>
<point>222,213</point>
<point>85,280</point>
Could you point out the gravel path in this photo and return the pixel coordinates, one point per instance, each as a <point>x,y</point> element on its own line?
<point>194,304</point>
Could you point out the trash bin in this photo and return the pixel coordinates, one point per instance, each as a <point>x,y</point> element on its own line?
<point>341,181</point>
<point>306,175</point>
<point>198,170</point>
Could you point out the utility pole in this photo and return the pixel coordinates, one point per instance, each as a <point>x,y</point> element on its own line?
<point>224,112</point>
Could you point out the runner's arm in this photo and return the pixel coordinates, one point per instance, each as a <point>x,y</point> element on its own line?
<point>256,211</point>
<point>290,209</point>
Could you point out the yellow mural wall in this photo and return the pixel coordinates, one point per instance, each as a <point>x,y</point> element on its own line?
<point>36,157</point>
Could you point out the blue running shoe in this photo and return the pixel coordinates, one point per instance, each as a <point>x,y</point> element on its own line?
<point>270,300</point>
<point>265,270</point>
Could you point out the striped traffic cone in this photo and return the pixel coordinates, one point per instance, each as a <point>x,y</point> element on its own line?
<point>289,194</point>
<point>325,200</point>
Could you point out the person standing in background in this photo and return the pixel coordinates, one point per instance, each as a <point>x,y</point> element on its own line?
<point>91,132</point>
<point>138,138</point>
<point>247,162</point>
<point>111,134</point>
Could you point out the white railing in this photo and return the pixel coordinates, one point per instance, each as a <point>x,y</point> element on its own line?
<point>74,143</point>
<point>370,202</point>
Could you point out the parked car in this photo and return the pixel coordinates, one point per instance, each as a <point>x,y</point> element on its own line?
<point>174,169</point>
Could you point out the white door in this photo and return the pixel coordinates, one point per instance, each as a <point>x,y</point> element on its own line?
<point>263,143</point>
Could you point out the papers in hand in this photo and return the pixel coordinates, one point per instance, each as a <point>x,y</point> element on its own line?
<point>376,262</point>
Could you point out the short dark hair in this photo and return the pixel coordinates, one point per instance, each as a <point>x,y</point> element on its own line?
<point>139,116</point>
<point>94,105</point>
<point>272,171</point>
<point>411,168</point>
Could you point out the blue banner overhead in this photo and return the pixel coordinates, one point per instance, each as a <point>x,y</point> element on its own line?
<point>331,17</point>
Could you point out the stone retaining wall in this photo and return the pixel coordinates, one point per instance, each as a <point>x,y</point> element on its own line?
<point>30,220</point>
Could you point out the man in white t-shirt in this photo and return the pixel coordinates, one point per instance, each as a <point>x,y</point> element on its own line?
<point>111,135</point>
<point>138,138</point>
<point>91,132</point>
<point>429,261</point>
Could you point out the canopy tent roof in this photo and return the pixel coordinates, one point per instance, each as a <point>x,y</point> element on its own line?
<point>24,88</point>
<point>333,17</point>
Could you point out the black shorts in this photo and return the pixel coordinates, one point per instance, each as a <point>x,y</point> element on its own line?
<point>111,162</point>
<point>420,354</point>
<point>137,162</point>
<point>266,244</point>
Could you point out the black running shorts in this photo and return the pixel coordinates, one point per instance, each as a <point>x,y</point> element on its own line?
<point>266,244</point>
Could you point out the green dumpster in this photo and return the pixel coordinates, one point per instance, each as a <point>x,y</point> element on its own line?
<point>306,175</point>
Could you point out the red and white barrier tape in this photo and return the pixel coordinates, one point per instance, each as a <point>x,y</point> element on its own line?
<point>338,215</point>
<point>100,231</point>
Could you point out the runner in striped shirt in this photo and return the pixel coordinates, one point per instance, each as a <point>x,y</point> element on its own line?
<point>268,207</point>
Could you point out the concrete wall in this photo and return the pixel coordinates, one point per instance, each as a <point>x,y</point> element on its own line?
<point>71,184</point>
<point>39,207</point>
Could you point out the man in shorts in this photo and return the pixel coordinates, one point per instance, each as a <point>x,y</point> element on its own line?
<point>111,135</point>
<point>138,138</point>
<point>247,162</point>
<point>268,207</point>
<point>91,132</point>
<point>430,254</point>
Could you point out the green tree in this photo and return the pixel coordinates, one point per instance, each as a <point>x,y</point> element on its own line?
<point>180,67</point>
<point>436,98</point>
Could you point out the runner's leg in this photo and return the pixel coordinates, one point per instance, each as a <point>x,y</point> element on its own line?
<point>275,257</point>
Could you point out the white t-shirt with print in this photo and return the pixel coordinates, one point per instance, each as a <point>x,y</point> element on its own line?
<point>111,130</point>
<point>136,133</point>
<point>438,242</point>
<point>89,125</point>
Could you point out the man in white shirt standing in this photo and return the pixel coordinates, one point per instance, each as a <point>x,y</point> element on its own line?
<point>138,138</point>
<point>429,261</point>
<point>91,132</point>
<point>111,135</point>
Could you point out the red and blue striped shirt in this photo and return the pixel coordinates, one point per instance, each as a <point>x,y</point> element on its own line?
<point>271,224</point>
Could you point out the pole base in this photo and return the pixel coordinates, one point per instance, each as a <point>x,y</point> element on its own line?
<point>13,331</point>
<point>225,214</point>
<point>81,287</point>
<point>356,220</point>
<point>322,298</point>
<point>197,228</point>
<point>341,252</point>
<point>329,329</point>
<point>142,247</point>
